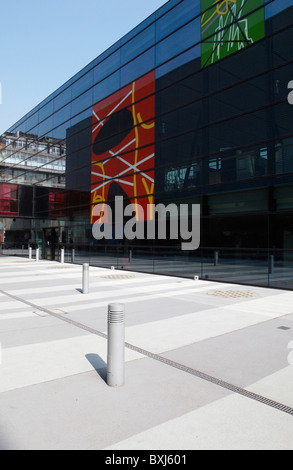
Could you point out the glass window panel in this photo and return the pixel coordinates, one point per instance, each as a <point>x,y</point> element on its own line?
<point>32,115</point>
<point>283,117</point>
<point>82,103</point>
<point>60,131</point>
<point>81,117</point>
<point>62,115</point>
<point>32,122</point>
<point>108,66</point>
<point>82,72</point>
<point>111,50</point>
<point>238,202</point>
<point>238,67</point>
<point>178,42</point>
<point>46,111</point>
<point>276,7</point>
<point>236,132</point>
<point>83,84</point>
<point>62,99</point>
<point>177,17</point>
<point>180,120</point>
<point>140,28</point>
<point>238,165</point>
<point>282,46</point>
<point>176,151</point>
<point>45,127</point>
<point>180,60</point>
<point>138,67</point>
<point>181,92</point>
<point>106,87</point>
<point>237,99</point>
<point>139,44</point>
<point>166,7</point>
<point>183,177</point>
<point>279,83</point>
<point>284,198</point>
<point>283,156</point>
<point>8,191</point>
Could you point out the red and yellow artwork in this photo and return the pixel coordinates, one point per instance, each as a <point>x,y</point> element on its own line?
<point>123,136</point>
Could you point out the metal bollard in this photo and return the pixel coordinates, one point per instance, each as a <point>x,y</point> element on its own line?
<point>62,256</point>
<point>73,256</point>
<point>37,254</point>
<point>116,346</point>
<point>85,278</point>
<point>216,258</point>
<point>30,252</point>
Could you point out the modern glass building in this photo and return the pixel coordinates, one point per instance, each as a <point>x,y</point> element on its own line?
<point>191,107</point>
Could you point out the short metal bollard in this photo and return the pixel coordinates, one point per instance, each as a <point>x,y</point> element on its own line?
<point>30,252</point>
<point>73,256</point>
<point>62,256</point>
<point>38,254</point>
<point>116,346</point>
<point>216,258</point>
<point>85,278</point>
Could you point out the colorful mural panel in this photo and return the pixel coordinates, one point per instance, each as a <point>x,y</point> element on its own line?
<point>123,136</point>
<point>228,26</point>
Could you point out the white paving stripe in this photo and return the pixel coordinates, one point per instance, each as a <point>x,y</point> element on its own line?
<point>11,305</point>
<point>116,297</point>
<point>94,283</point>
<point>78,307</point>
<point>275,386</point>
<point>37,363</point>
<point>232,423</point>
<point>120,297</point>
<point>152,290</point>
<point>275,305</point>
<point>23,314</point>
<point>30,277</point>
<point>176,332</point>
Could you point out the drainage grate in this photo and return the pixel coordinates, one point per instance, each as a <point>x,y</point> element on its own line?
<point>233,294</point>
<point>59,267</point>
<point>118,276</point>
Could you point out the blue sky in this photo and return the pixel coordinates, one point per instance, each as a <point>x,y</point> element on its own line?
<point>43,44</point>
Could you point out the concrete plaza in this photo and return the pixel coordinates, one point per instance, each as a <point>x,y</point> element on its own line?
<point>207,364</point>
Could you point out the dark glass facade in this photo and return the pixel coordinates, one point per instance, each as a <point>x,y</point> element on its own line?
<point>189,107</point>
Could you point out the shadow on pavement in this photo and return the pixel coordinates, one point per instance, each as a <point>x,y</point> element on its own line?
<point>98,364</point>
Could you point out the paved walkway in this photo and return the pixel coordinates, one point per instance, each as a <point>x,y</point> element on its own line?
<point>207,364</point>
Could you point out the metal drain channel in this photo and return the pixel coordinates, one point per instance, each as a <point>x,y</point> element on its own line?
<point>201,375</point>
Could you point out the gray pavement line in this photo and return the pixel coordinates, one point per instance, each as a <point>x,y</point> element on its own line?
<point>201,375</point>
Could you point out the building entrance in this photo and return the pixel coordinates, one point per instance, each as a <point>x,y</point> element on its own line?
<point>50,244</point>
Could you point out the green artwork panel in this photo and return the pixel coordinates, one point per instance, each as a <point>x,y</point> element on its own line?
<point>229,26</point>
